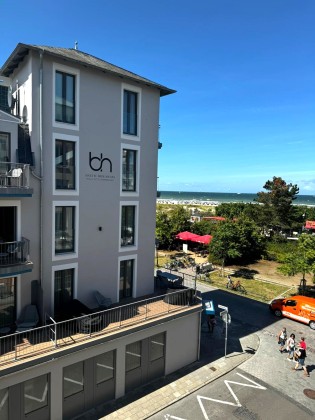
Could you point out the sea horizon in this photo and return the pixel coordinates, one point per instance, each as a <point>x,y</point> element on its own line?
<point>215,198</point>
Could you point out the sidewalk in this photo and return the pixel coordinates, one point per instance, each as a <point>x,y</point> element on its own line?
<point>150,399</point>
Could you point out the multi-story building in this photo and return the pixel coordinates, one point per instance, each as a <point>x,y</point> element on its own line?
<point>78,175</point>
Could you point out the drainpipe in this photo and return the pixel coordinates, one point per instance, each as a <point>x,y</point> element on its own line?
<point>199,335</point>
<point>41,159</point>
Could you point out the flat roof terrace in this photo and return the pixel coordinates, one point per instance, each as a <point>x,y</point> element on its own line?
<point>58,338</point>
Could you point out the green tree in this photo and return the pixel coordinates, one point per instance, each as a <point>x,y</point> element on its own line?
<point>169,223</point>
<point>230,210</point>
<point>277,203</point>
<point>163,229</point>
<point>225,244</point>
<point>302,261</point>
<point>179,219</point>
<point>238,241</point>
<point>204,227</point>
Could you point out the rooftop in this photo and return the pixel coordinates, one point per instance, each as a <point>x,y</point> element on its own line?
<point>78,57</point>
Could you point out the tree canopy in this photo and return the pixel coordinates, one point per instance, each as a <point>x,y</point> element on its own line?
<point>277,203</point>
<point>238,240</point>
<point>302,260</point>
<point>169,223</point>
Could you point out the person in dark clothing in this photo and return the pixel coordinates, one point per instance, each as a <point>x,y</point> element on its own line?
<point>301,355</point>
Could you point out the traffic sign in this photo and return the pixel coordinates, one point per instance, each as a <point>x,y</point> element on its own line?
<point>226,317</point>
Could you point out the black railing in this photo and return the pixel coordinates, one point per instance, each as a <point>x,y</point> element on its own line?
<point>14,253</point>
<point>36,341</point>
<point>14,175</point>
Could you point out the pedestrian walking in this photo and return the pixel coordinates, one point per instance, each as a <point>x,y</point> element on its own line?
<point>302,343</point>
<point>229,283</point>
<point>301,355</point>
<point>291,347</point>
<point>211,322</point>
<point>282,338</point>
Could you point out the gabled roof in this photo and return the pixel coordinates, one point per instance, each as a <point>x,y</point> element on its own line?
<point>79,57</point>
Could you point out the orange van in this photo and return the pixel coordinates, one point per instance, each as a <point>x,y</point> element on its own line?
<point>299,308</point>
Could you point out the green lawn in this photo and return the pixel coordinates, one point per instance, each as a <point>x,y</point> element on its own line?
<point>255,289</point>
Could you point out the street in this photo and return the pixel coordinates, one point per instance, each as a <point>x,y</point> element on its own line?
<point>284,394</point>
<point>235,396</point>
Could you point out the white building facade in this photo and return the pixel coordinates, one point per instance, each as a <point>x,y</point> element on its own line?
<point>78,176</point>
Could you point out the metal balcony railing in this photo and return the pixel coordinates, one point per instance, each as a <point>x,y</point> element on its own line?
<point>56,335</point>
<point>14,253</point>
<point>14,175</point>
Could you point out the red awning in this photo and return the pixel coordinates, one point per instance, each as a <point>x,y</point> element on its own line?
<point>204,239</point>
<point>187,236</point>
<point>310,224</point>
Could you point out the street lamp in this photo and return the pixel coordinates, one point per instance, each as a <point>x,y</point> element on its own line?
<point>226,317</point>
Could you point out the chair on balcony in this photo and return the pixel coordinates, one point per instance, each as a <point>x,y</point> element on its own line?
<point>102,301</point>
<point>29,319</point>
<point>15,175</point>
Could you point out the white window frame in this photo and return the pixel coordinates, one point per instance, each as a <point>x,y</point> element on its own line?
<point>135,264</point>
<point>73,72</point>
<point>66,255</point>
<point>137,149</point>
<point>137,90</point>
<point>74,139</point>
<point>135,246</point>
<point>75,280</point>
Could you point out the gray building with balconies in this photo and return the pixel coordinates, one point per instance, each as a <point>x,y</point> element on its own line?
<point>78,176</point>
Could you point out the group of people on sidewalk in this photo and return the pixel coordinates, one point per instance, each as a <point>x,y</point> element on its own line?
<point>296,351</point>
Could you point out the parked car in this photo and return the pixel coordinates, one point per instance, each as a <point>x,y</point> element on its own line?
<point>299,308</point>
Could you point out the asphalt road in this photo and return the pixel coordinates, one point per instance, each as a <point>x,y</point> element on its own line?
<point>235,396</point>
<point>284,396</point>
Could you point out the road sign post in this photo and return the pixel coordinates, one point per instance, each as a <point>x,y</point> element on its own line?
<point>226,318</point>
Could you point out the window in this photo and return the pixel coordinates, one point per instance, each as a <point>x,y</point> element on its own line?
<point>130,113</point>
<point>105,367</point>
<point>64,281</point>
<point>35,394</point>
<point>133,356</point>
<point>73,379</point>
<point>64,229</point>
<point>4,152</point>
<point>65,164</point>
<point>157,346</point>
<point>127,225</point>
<point>65,97</point>
<point>290,303</point>
<point>129,166</point>
<point>7,301</point>
<point>126,278</point>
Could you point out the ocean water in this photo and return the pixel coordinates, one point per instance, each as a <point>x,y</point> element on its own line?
<point>214,197</point>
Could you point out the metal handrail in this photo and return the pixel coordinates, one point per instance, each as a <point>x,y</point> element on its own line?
<point>37,341</point>
<point>14,175</point>
<point>14,252</point>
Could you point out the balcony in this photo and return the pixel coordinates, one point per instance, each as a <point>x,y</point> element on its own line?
<point>70,335</point>
<point>15,180</point>
<point>14,258</point>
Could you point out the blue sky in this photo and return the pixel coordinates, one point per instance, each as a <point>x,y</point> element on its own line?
<point>244,72</point>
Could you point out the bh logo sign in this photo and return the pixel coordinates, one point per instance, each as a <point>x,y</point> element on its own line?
<point>96,163</point>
